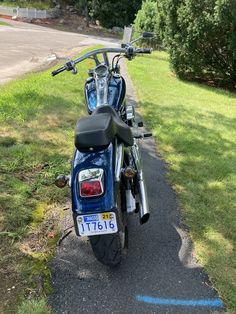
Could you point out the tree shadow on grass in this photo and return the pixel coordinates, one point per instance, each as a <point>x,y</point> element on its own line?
<point>40,150</point>
<point>201,156</point>
<point>205,84</point>
<point>226,91</point>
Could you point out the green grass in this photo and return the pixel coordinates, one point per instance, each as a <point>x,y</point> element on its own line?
<point>4,24</point>
<point>195,128</point>
<point>27,4</point>
<point>34,307</point>
<point>38,114</point>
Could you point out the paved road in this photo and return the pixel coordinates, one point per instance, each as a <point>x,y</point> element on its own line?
<point>159,264</point>
<point>26,46</point>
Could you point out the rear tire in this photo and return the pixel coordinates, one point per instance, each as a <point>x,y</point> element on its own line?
<point>107,249</point>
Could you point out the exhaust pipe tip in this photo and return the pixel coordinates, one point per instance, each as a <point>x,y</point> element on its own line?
<point>144,218</point>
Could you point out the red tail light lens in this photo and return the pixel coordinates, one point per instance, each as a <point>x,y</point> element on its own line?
<point>90,188</point>
<point>91,182</point>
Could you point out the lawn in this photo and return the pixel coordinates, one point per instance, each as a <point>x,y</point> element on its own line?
<point>4,24</point>
<point>195,130</point>
<point>37,120</point>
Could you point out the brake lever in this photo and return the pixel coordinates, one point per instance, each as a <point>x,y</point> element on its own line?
<point>74,70</point>
<point>70,66</point>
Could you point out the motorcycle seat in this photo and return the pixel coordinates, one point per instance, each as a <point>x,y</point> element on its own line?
<point>99,129</point>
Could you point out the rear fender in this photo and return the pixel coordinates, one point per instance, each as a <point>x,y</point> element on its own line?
<point>86,160</point>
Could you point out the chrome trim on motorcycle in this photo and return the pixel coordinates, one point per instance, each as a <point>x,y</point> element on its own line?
<point>130,202</point>
<point>119,161</point>
<point>144,212</point>
<point>89,175</point>
<point>129,110</point>
<point>101,75</point>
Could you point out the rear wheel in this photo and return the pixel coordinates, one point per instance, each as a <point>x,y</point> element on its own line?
<point>107,248</point>
<point>110,248</point>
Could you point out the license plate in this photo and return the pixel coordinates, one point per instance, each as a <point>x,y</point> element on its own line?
<point>95,224</point>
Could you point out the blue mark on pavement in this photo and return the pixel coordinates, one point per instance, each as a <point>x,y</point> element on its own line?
<point>162,301</point>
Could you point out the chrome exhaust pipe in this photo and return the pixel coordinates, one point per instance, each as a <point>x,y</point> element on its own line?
<point>144,212</point>
<point>130,202</point>
<point>119,161</point>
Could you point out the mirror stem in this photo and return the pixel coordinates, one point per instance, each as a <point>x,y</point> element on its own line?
<point>133,41</point>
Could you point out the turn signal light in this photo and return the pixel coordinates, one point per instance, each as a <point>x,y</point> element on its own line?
<point>61,181</point>
<point>90,188</point>
<point>129,172</point>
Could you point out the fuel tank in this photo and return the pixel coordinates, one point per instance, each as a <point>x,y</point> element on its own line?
<point>116,93</point>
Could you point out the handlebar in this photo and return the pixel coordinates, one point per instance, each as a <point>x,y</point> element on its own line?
<point>144,50</point>
<point>58,71</point>
<point>128,51</point>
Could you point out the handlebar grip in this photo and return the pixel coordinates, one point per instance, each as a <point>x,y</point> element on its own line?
<point>58,71</point>
<point>144,50</point>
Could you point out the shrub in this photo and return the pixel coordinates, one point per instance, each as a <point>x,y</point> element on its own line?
<point>201,37</point>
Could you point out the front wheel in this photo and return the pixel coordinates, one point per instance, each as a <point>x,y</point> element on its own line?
<point>107,248</point>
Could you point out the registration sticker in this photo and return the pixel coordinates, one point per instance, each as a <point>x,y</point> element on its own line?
<point>107,216</point>
<point>95,224</point>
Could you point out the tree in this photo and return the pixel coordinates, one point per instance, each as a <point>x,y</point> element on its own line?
<point>146,20</point>
<point>118,13</point>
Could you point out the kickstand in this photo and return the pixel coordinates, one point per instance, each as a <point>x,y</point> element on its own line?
<point>66,232</point>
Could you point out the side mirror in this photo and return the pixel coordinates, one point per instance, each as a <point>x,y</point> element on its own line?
<point>147,35</point>
<point>144,35</point>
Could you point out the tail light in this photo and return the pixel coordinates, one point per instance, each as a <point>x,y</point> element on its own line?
<point>91,188</point>
<point>91,182</point>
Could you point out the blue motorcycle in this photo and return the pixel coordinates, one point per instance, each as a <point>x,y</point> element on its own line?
<point>106,181</point>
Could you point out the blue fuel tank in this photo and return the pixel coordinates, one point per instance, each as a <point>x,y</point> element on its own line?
<point>116,93</point>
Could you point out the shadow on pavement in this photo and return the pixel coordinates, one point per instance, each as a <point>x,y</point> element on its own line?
<point>159,262</point>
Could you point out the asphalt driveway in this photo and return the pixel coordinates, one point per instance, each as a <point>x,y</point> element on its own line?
<point>25,47</point>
